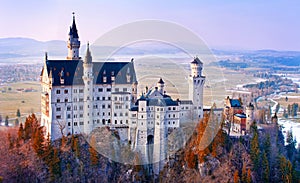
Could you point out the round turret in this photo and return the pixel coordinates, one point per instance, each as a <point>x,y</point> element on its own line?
<point>161,85</point>
<point>196,67</point>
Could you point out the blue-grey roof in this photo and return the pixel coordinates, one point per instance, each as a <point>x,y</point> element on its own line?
<point>73,29</point>
<point>135,108</point>
<point>235,103</point>
<point>166,101</point>
<point>196,61</point>
<point>72,71</point>
<point>189,102</point>
<point>241,115</point>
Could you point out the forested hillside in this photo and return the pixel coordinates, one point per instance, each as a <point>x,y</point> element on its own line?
<point>27,156</point>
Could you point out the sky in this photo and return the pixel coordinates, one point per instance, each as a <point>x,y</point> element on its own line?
<point>230,24</point>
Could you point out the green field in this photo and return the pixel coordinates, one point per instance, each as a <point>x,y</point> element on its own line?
<point>11,99</point>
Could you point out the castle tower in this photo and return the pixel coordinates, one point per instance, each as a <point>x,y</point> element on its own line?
<point>88,92</point>
<point>160,142</point>
<point>73,42</point>
<point>134,92</point>
<point>196,84</point>
<point>160,85</point>
<point>249,115</point>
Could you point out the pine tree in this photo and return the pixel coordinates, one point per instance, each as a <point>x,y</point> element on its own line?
<point>285,169</point>
<point>254,149</point>
<point>28,128</point>
<point>77,148</point>
<point>265,168</point>
<point>54,165</point>
<point>290,147</point>
<point>38,141</point>
<point>244,173</point>
<point>10,141</point>
<point>21,132</point>
<point>236,177</point>
<point>267,146</point>
<point>18,113</point>
<point>6,121</point>
<point>249,178</point>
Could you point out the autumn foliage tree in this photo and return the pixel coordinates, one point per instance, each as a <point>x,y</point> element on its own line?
<point>93,153</point>
<point>195,151</point>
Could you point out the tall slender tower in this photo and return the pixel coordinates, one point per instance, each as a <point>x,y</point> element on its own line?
<point>249,115</point>
<point>73,42</point>
<point>196,84</point>
<point>88,92</point>
<point>160,142</point>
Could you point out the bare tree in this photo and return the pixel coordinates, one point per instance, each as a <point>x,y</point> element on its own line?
<point>62,126</point>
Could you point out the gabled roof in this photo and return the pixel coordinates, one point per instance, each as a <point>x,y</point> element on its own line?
<point>72,71</point>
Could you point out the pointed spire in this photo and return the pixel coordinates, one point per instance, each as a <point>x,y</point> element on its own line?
<point>161,81</point>
<point>74,31</point>
<point>88,56</point>
<point>46,56</point>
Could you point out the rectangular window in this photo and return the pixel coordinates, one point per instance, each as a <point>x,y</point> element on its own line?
<point>75,90</point>
<point>69,116</point>
<point>81,115</point>
<point>80,90</point>
<point>103,98</point>
<point>108,89</point>
<point>58,109</point>
<point>108,98</point>
<point>58,117</point>
<point>108,106</point>
<point>116,89</point>
<point>57,91</point>
<point>81,123</point>
<point>98,98</point>
<point>75,123</point>
<point>100,89</point>
<point>58,100</point>
<point>66,91</point>
<point>103,106</point>
<point>124,89</point>
<point>81,107</point>
<point>80,99</point>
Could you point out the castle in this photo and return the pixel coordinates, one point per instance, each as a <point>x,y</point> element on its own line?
<point>238,120</point>
<point>79,95</point>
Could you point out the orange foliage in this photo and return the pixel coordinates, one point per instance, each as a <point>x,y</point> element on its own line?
<point>194,151</point>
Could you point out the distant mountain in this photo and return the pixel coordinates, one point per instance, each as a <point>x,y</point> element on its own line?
<point>24,47</point>
<point>15,48</point>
